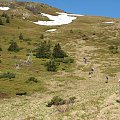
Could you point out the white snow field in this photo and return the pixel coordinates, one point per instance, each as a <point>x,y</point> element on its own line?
<point>51,30</point>
<point>108,22</point>
<point>61,19</point>
<point>4,8</point>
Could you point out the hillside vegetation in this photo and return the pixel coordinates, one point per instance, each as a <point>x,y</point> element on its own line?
<point>47,75</point>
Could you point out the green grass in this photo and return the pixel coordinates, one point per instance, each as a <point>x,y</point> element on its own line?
<point>71,79</point>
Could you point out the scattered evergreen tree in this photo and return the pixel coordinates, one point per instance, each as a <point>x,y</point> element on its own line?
<point>43,51</point>
<point>42,36</point>
<point>58,52</point>
<point>0,49</point>
<point>51,65</point>
<point>7,75</point>
<point>1,22</point>
<point>21,36</point>
<point>7,20</point>
<point>113,49</point>
<point>13,47</point>
<point>4,14</point>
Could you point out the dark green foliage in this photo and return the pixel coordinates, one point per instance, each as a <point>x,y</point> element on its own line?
<point>7,20</point>
<point>7,75</point>
<point>41,36</point>
<point>72,99</point>
<point>71,31</point>
<point>58,52</point>
<point>13,47</point>
<point>32,80</point>
<point>21,36</point>
<point>56,101</point>
<point>118,101</point>
<point>51,65</point>
<point>1,21</point>
<point>0,49</point>
<point>64,60</point>
<point>113,49</point>
<point>21,93</point>
<point>4,14</point>
<point>43,51</point>
<point>68,60</point>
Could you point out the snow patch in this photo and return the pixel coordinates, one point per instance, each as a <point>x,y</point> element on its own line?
<point>4,8</point>
<point>108,22</point>
<point>61,19</point>
<point>51,30</point>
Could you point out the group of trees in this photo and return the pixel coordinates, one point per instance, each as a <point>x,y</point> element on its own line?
<point>44,51</point>
<point>4,18</point>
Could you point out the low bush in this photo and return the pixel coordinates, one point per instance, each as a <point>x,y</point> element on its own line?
<point>0,49</point>
<point>32,80</point>
<point>21,93</point>
<point>113,49</point>
<point>72,99</point>
<point>7,75</point>
<point>68,60</point>
<point>51,66</point>
<point>13,47</point>
<point>56,101</point>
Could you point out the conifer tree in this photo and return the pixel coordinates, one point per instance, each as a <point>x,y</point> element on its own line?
<point>1,22</point>
<point>58,52</point>
<point>51,65</point>
<point>21,36</point>
<point>13,47</point>
<point>7,20</point>
<point>43,51</point>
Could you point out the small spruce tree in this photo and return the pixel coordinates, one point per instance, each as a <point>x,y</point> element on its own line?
<point>51,65</point>
<point>1,22</point>
<point>58,52</point>
<point>4,14</point>
<point>13,47</point>
<point>7,20</point>
<point>0,49</point>
<point>21,36</point>
<point>43,51</point>
<point>41,36</point>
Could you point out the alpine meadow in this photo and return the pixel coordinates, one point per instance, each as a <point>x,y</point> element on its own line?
<point>56,65</point>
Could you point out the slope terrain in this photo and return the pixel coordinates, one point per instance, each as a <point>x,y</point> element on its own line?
<point>91,38</point>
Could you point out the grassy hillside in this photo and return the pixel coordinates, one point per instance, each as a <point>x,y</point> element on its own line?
<point>88,37</point>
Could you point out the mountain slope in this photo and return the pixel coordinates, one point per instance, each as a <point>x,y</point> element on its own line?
<point>92,37</point>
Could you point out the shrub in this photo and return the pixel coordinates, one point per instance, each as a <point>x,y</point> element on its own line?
<point>41,36</point>
<point>56,101</point>
<point>21,36</point>
<point>4,14</point>
<point>58,52</point>
<point>113,49</point>
<point>13,47</point>
<point>21,93</point>
<point>0,49</point>
<point>1,21</point>
<point>7,75</point>
<point>43,51</point>
<point>72,99</point>
<point>7,20</point>
<point>32,80</point>
<point>68,60</point>
<point>51,65</point>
